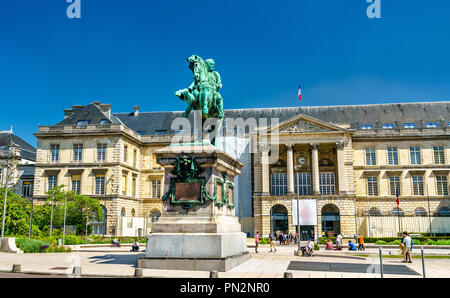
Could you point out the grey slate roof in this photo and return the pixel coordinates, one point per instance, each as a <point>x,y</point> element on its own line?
<point>89,112</point>
<point>147,123</point>
<point>26,150</point>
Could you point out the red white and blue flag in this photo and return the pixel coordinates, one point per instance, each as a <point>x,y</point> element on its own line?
<point>397,195</point>
<point>299,92</point>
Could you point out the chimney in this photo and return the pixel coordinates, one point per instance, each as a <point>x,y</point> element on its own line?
<point>136,111</point>
<point>67,113</point>
<point>106,108</point>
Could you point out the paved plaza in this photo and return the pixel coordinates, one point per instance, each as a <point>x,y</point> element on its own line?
<point>119,262</point>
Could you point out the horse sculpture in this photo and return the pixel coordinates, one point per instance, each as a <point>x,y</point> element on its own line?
<point>203,94</point>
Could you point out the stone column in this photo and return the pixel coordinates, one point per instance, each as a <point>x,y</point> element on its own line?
<point>290,168</point>
<point>315,168</point>
<point>265,170</point>
<point>340,167</point>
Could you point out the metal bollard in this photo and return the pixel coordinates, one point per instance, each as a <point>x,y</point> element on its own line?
<point>423,262</point>
<point>288,275</point>
<point>381,261</point>
<point>16,268</point>
<point>213,274</point>
<point>138,272</point>
<point>76,270</point>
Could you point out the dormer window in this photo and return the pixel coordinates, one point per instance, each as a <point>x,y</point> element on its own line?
<point>409,125</point>
<point>160,132</point>
<point>83,122</point>
<point>104,121</point>
<point>431,125</point>
<point>367,126</point>
<point>388,126</point>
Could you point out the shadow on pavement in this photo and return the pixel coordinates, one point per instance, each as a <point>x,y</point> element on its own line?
<point>126,259</point>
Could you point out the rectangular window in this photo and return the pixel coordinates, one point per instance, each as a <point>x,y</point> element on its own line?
<point>388,126</point>
<point>418,185</point>
<point>278,184</point>
<point>54,153</point>
<point>134,187</point>
<point>27,187</point>
<point>101,152</point>
<point>370,157</point>
<point>135,158</point>
<point>442,186</point>
<point>78,152</point>
<point>303,183</point>
<point>124,184</point>
<point>367,126</point>
<point>326,183</point>
<point>392,156</point>
<point>99,185</point>
<point>104,122</point>
<point>76,183</point>
<point>394,183</point>
<point>125,153</point>
<point>160,132</point>
<point>372,186</point>
<point>415,155</point>
<point>83,122</point>
<point>409,125</point>
<point>52,182</point>
<point>156,189</point>
<point>439,158</point>
<point>431,125</point>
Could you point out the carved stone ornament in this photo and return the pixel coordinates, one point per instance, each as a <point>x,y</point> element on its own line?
<point>301,126</point>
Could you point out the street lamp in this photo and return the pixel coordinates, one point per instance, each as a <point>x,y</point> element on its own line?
<point>298,212</point>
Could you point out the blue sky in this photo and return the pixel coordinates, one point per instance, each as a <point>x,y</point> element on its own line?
<point>133,53</point>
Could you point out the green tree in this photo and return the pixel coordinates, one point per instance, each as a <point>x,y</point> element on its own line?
<point>17,213</point>
<point>80,210</point>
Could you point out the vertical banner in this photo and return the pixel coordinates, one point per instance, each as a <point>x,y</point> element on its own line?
<point>308,212</point>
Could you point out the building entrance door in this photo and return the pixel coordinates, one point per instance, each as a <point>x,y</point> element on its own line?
<point>331,222</point>
<point>279,219</point>
<point>306,232</point>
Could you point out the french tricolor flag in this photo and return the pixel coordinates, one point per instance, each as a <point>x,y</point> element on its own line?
<point>299,92</point>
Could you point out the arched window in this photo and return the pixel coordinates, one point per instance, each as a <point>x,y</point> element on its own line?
<point>279,219</point>
<point>122,212</point>
<point>397,212</point>
<point>374,211</point>
<point>420,212</point>
<point>331,221</point>
<point>444,211</point>
<point>133,213</point>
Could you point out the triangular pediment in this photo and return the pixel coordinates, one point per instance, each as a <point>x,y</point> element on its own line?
<point>305,124</point>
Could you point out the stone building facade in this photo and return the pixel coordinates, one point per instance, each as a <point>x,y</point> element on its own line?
<point>352,160</point>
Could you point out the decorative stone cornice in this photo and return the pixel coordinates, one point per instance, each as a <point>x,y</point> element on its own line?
<point>301,126</point>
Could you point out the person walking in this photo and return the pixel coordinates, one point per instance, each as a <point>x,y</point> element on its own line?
<point>339,241</point>
<point>272,243</point>
<point>256,242</point>
<point>407,245</point>
<point>361,243</point>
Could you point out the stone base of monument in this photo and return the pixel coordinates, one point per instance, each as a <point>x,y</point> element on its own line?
<point>194,264</point>
<point>198,229</point>
<point>195,251</point>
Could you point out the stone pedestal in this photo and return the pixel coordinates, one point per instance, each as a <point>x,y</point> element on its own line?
<point>198,229</point>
